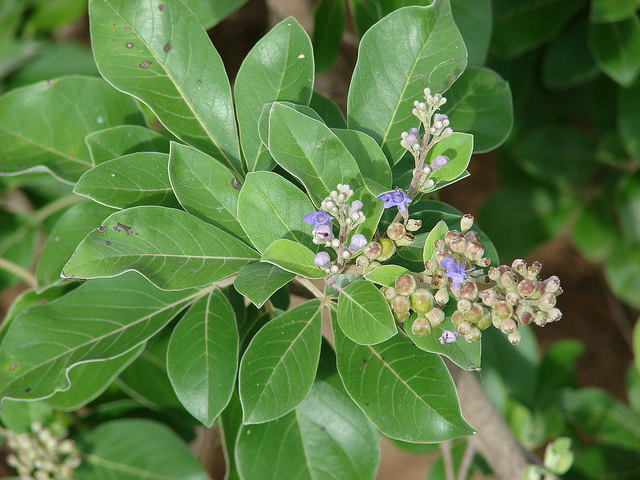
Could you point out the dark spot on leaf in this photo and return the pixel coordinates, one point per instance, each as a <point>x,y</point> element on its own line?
<point>383,357</point>
<point>145,64</point>
<point>199,82</point>
<point>161,7</point>
<point>126,27</point>
<point>323,429</point>
<point>235,184</point>
<point>101,228</point>
<point>12,367</point>
<point>113,24</point>
<point>107,243</point>
<point>167,47</point>
<point>129,45</point>
<point>27,390</point>
<point>364,360</point>
<point>366,404</point>
<point>119,227</point>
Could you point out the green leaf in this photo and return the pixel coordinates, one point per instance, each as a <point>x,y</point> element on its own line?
<point>99,320</point>
<point>129,181</point>
<point>293,257</point>
<point>258,281</point>
<point>171,248</point>
<point>368,12</point>
<point>410,49</point>
<point>607,11</point>
<point>370,158</point>
<point>629,118</point>
<point>165,58</point>
<point>202,358</point>
<point>364,314</point>
<point>458,147</point>
<point>437,233</point>
<point>622,272</point>
<point>287,76</point>
<point>464,354</point>
<point>616,49</point>
<point>522,25</point>
<point>204,188</point>
<point>326,437</point>
<point>480,103</point>
<point>65,236</point>
<point>308,150</point>
<point>135,449</point>
<point>474,20</point>
<point>89,380</point>
<point>407,393</point>
<point>328,111</point>
<point>594,232</point>
<point>19,416</point>
<point>636,345</point>
<point>599,414</point>
<point>328,26</point>
<point>230,424</point>
<point>279,366</point>
<point>386,274</point>
<point>122,140</point>
<point>263,122</point>
<point>210,12</point>
<point>52,135</point>
<point>272,208</point>
<point>557,72</point>
<point>633,381</point>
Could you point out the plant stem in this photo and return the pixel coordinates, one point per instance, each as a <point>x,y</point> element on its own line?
<point>445,448</point>
<point>465,464</point>
<point>305,282</point>
<point>24,274</point>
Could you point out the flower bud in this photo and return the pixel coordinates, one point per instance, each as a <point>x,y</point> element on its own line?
<point>400,304</point>
<point>439,162</point>
<point>421,327</point>
<point>526,288</point>
<point>438,279</point>
<point>534,270</point>
<point>372,266</point>
<point>473,335</point>
<point>401,317</point>
<point>389,293</point>
<point>465,327</point>
<point>472,236</point>
<point>475,314</point>
<point>430,266</point>
<point>554,314</point>
<point>372,251</point>
<point>496,320</point>
<point>547,302</point>
<point>552,284</point>
<point>468,290</point>
<point>323,260</point>
<point>514,337</point>
<point>406,284</point>
<point>503,310</point>
<point>489,297</point>
<point>362,261</point>
<point>408,239</point>
<point>421,300</point>
<point>458,245</point>
<point>442,297</point>
<point>439,244</point>
<point>524,314</point>
<point>435,317</point>
<point>508,326</point>
<point>413,225</point>
<point>448,336</point>
<point>483,262</point>
<point>466,222</point>
<point>356,206</point>
<point>358,242</point>
<point>346,254</point>
<point>441,255</point>
<point>451,235</point>
<point>540,319</point>
<point>512,298</point>
<point>464,305</point>
<point>335,269</point>
<point>474,251</point>
<point>508,280</point>
<point>494,274</point>
<point>519,266</point>
<point>322,234</point>
<point>388,248</point>
<point>396,231</point>
<point>457,318</point>
<point>485,321</point>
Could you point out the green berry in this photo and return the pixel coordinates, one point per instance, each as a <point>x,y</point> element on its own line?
<point>388,248</point>
<point>389,293</point>
<point>435,317</point>
<point>400,304</point>
<point>421,300</point>
<point>421,327</point>
<point>473,335</point>
<point>406,284</point>
<point>396,231</point>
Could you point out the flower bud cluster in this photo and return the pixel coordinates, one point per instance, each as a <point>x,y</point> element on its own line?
<point>41,455</point>
<point>505,297</point>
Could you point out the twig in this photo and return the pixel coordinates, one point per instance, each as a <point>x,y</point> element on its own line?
<point>445,448</point>
<point>467,458</point>
<point>24,274</point>
<point>309,286</point>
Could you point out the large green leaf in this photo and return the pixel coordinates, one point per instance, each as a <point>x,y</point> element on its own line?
<point>286,75</point>
<point>258,281</point>
<point>52,135</point>
<point>521,25</point>
<point>407,393</point>
<point>326,438</point>
<point>202,358</point>
<point>211,12</point>
<point>278,368</point>
<point>480,103</point>
<point>159,53</point>
<point>616,48</point>
<point>205,188</point>
<point>122,140</point>
<point>135,449</point>
<point>474,19</point>
<point>129,181</point>
<point>271,208</point>
<point>386,274</point>
<point>594,232</point>
<point>606,11</point>
<point>293,257</point>
<point>364,314</point>
<point>329,20</point>
<point>410,49</point>
<point>622,272</point>
<point>89,380</point>
<point>171,248</point>
<point>99,320</point>
<point>458,147</point>
<point>370,158</point>
<point>230,423</point>
<point>67,233</point>
<point>328,111</point>
<point>629,118</point>
<point>310,151</point>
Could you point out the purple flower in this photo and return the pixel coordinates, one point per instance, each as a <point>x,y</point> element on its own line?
<point>323,233</point>
<point>318,218</point>
<point>414,131</point>
<point>358,242</point>
<point>439,162</point>
<point>395,198</point>
<point>356,206</point>
<point>449,336</point>
<point>455,272</point>
<point>322,260</point>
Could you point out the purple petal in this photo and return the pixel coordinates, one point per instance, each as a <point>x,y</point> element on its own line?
<point>447,263</point>
<point>358,241</point>
<point>322,259</point>
<point>449,336</point>
<point>310,217</point>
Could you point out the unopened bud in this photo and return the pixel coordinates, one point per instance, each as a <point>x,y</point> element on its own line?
<point>466,222</point>
<point>401,317</point>
<point>526,288</point>
<point>534,270</point>
<point>512,297</point>
<point>514,337</point>
<point>400,304</point>
<point>457,318</point>
<point>389,293</point>
<point>494,274</point>
<point>442,297</point>
<point>406,284</point>
<point>438,279</point>
<point>547,301</point>
<point>451,235</point>
<point>552,284</point>
<point>421,327</point>
<point>413,225</point>
<point>435,317</point>
<point>473,335</point>
<point>474,251</point>
<point>322,260</point>
<point>408,239</point>
<point>465,327</point>
<point>421,301</point>
<point>358,242</point>
<point>430,266</point>
<point>554,314</point>
<point>540,319</point>
<point>439,161</point>
<point>508,280</point>
<point>508,326</point>
<point>519,266</point>
<point>489,297</point>
<point>362,261</point>
<point>396,231</point>
<point>503,310</point>
<point>485,321</point>
<point>458,245</point>
<point>475,314</point>
<point>373,250</point>
<point>468,290</point>
<point>388,248</point>
<point>483,262</point>
<point>524,314</point>
<point>372,266</point>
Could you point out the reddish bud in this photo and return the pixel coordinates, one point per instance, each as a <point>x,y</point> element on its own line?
<point>458,245</point>
<point>503,310</point>
<point>468,290</point>
<point>389,293</point>
<point>474,251</point>
<point>406,284</point>
<point>473,335</point>
<point>526,288</point>
<point>421,327</point>
<point>400,304</point>
<point>373,250</point>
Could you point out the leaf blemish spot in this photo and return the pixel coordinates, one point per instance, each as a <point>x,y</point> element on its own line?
<point>301,56</point>
<point>145,64</point>
<point>199,82</point>
<point>27,390</point>
<point>12,367</point>
<point>102,228</point>
<point>107,243</point>
<point>161,7</point>
<point>119,227</point>
<point>129,45</point>
<point>167,47</point>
